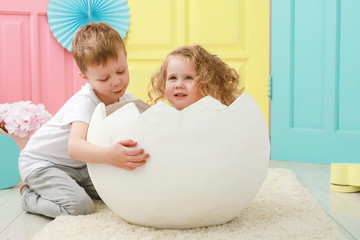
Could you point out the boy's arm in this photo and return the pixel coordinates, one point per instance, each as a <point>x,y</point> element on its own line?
<point>119,154</point>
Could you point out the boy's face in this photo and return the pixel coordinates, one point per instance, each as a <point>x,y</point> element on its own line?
<point>180,88</point>
<point>109,82</point>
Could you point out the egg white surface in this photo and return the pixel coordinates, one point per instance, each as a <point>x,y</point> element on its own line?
<point>208,161</point>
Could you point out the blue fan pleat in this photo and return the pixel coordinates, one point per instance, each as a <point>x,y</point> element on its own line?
<point>65,17</point>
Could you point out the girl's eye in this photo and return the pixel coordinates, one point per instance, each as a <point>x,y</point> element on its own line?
<point>172,78</point>
<point>189,78</point>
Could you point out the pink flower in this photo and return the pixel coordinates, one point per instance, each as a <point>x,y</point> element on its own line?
<point>23,118</point>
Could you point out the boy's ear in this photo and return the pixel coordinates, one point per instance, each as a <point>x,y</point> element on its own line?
<point>83,76</point>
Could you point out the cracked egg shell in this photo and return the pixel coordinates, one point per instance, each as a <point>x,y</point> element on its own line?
<point>208,162</point>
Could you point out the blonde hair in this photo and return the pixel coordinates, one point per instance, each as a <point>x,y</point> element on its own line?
<point>213,77</point>
<point>96,43</point>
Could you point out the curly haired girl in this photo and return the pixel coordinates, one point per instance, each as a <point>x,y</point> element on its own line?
<point>190,73</point>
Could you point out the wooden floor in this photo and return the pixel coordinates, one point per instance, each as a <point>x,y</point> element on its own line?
<point>344,208</point>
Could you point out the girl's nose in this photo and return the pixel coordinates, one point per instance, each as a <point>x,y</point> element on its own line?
<point>179,84</point>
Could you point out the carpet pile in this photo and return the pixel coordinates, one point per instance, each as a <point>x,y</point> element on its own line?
<point>283,209</point>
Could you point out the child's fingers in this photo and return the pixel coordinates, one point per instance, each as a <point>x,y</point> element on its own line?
<point>135,164</point>
<point>127,142</point>
<point>138,158</point>
<point>134,152</point>
<point>132,165</point>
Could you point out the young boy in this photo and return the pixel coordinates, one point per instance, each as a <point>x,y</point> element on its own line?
<point>53,163</point>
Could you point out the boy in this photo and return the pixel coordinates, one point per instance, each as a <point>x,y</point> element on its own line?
<point>53,164</point>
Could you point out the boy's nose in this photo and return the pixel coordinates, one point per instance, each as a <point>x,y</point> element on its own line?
<point>116,82</point>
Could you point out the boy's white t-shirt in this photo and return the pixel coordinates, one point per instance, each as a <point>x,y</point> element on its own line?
<point>49,145</point>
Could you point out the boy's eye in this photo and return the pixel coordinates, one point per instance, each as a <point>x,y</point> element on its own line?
<point>104,79</point>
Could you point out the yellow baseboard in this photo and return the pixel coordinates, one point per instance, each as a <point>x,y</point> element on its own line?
<point>344,188</point>
<point>345,177</point>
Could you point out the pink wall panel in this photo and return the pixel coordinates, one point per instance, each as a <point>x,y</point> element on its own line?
<point>57,70</point>
<point>15,56</point>
<point>33,65</point>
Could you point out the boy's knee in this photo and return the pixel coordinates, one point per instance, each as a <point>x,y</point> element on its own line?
<point>82,205</point>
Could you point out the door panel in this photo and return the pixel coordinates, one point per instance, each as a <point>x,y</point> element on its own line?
<point>314,113</point>
<point>15,60</point>
<point>349,71</point>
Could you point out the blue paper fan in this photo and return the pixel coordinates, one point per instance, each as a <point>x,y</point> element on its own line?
<point>65,17</point>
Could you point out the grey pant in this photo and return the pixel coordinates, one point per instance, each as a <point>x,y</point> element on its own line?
<point>59,190</point>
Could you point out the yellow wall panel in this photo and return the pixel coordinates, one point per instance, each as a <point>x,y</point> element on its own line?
<point>258,46</point>
<point>215,22</point>
<point>152,31</point>
<point>155,28</point>
<point>236,30</point>
<point>140,74</point>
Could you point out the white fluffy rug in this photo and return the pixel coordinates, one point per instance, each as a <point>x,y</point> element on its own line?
<point>283,209</point>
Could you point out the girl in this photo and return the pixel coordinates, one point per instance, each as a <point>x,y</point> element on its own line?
<point>190,73</point>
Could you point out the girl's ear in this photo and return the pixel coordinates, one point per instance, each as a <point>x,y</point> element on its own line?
<point>83,76</point>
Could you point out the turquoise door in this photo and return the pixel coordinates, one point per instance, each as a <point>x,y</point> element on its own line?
<point>315,68</point>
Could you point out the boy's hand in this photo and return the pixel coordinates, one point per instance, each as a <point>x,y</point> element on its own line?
<point>122,155</point>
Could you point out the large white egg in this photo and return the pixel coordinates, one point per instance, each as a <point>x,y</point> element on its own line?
<point>207,162</point>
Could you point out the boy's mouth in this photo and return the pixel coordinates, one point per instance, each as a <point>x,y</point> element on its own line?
<point>119,91</point>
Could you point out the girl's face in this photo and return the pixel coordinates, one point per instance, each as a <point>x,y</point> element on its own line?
<point>180,89</point>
